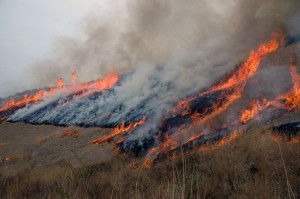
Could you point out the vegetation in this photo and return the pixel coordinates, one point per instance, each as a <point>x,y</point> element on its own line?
<point>252,166</point>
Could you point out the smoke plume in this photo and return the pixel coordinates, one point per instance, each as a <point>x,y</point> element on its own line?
<point>201,39</point>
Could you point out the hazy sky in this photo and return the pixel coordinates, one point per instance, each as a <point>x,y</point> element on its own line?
<point>28,28</point>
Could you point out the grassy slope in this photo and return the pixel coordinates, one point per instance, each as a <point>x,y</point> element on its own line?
<point>251,166</point>
<point>44,165</point>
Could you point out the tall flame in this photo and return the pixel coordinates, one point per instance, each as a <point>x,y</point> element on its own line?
<point>74,78</point>
<point>60,83</point>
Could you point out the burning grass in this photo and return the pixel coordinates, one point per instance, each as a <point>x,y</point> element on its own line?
<point>251,166</point>
<point>189,145</point>
<point>80,90</point>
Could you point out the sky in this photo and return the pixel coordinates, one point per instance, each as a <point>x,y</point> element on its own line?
<point>28,29</point>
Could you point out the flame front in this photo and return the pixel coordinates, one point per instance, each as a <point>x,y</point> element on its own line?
<point>120,130</point>
<point>85,89</point>
<point>230,89</point>
<point>289,101</point>
<point>239,78</point>
<point>193,122</point>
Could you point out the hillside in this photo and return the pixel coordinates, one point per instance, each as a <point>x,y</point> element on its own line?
<point>38,162</point>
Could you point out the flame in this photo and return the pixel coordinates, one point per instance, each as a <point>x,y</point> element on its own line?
<point>99,85</point>
<point>27,99</point>
<point>231,89</point>
<point>228,90</point>
<point>218,108</point>
<point>170,145</point>
<point>220,143</point>
<point>85,89</point>
<point>248,114</point>
<point>291,100</point>
<point>120,130</point>
<point>74,78</point>
<point>60,83</point>
<point>239,78</point>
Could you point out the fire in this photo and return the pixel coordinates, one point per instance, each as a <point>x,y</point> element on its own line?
<point>60,83</point>
<point>218,108</point>
<point>239,78</point>
<point>170,143</point>
<point>251,64</point>
<point>248,114</point>
<point>74,78</point>
<point>85,89</point>
<point>12,103</point>
<point>292,99</point>
<point>120,130</point>
<point>99,85</point>
<point>229,90</point>
<point>220,143</point>
<point>195,114</point>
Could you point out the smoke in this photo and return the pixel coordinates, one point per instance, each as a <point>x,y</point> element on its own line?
<point>170,48</point>
<point>185,45</point>
<point>213,34</point>
<point>165,51</point>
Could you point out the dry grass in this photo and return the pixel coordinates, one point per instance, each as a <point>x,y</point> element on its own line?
<point>253,166</point>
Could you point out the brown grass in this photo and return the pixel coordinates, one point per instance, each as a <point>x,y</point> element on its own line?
<point>253,166</point>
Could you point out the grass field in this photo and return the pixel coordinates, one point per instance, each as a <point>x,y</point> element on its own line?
<point>252,166</point>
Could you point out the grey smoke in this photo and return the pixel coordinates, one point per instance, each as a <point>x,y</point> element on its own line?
<point>166,50</point>
<point>184,46</point>
<point>219,36</point>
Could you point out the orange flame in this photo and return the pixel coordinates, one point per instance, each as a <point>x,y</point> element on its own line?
<point>239,78</point>
<point>120,130</point>
<point>86,89</point>
<point>220,143</point>
<point>292,99</point>
<point>99,85</point>
<point>231,87</point>
<point>60,83</point>
<point>74,78</point>
<point>248,114</point>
